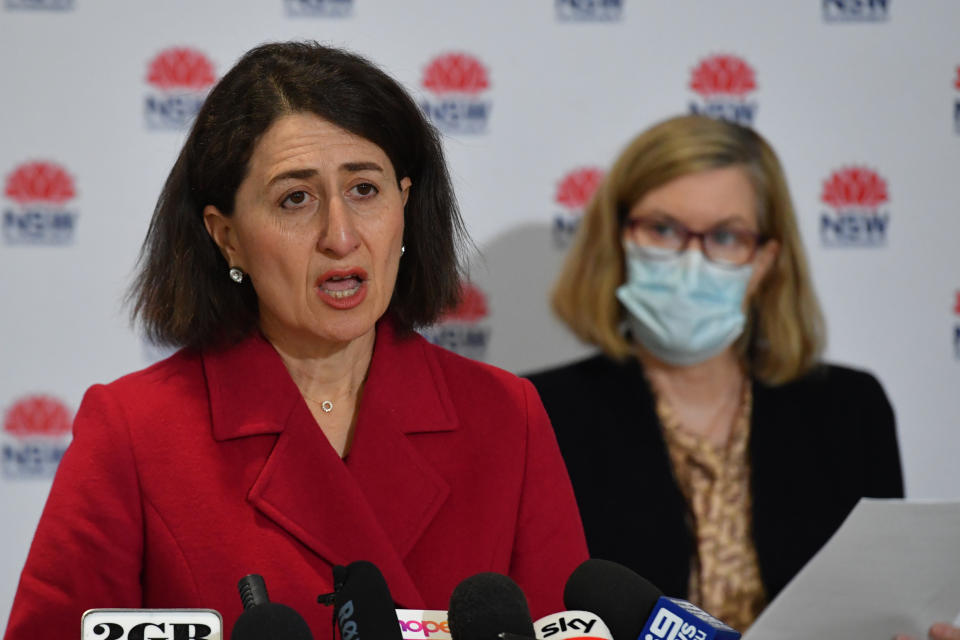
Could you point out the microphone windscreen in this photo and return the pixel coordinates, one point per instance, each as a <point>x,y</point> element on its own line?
<point>270,621</point>
<point>363,605</point>
<point>487,604</point>
<point>253,590</point>
<point>622,598</point>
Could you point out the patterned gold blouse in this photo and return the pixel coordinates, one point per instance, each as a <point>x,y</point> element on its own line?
<point>715,480</point>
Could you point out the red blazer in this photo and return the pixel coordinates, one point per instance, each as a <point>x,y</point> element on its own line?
<point>186,476</point>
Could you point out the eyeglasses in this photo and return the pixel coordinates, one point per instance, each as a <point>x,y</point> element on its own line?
<point>723,244</point>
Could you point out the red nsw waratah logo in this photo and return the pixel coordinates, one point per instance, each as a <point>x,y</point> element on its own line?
<point>456,73</point>
<point>471,308</point>
<point>40,182</point>
<point>180,68</point>
<point>859,217</point>
<point>724,75</point>
<point>37,415</point>
<point>854,187</point>
<point>578,186</point>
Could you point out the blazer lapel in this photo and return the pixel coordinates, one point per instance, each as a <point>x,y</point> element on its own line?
<point>373,506</point>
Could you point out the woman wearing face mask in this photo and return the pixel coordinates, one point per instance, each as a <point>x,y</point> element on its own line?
<point>709,448</point>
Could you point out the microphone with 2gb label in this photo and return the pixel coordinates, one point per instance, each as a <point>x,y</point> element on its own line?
<point>265,620</point>
<point>634,609</point>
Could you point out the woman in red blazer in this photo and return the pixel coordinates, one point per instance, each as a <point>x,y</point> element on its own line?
<point>307,227</point>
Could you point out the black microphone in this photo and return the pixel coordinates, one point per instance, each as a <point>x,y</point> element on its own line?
<point>634,608</point>
<point>622,598</point>
<point>265,620</point>
<point>489,606</point>
<point>363,607</point>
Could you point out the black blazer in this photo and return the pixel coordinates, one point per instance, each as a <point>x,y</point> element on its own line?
<point>817,445</point>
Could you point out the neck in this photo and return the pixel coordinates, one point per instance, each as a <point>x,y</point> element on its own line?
<point>330,377</point>
<point>325,371</point>
<point>696,384</point>
<point>704,397</point>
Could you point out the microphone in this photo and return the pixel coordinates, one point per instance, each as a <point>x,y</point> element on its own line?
<point>188,624</point>
<point>265,620</point>
<point>489,606</point>
<point>572,625</point>
<point>363,607</point>
<point>634,609</point>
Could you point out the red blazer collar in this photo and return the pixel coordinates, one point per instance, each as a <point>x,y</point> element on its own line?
<point>252,393</point>
<point>377,503</point>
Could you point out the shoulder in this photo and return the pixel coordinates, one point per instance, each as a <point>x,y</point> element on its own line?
<point>472,377</point>
<point>831,382</point>
<point>594,371</point>
<point>164,386</point>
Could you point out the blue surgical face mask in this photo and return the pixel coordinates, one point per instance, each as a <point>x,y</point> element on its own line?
<point>683,308</point>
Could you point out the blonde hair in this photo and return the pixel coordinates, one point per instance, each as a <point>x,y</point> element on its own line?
<point>784,335</point>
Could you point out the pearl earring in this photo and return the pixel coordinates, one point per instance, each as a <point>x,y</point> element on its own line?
<point>403,249</point>
<point>236,274</point>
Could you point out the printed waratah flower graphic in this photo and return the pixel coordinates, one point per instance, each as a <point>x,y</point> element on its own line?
<point>723,74</point>
<point>471,308</point>
<point>578,186</point>
<point>855,187</point>
<point>180,68</point>
<point>40,182</point>
<point>37,415</point>
<point>456,72</point>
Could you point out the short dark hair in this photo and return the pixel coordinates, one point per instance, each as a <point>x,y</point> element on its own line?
<point>182,294</point>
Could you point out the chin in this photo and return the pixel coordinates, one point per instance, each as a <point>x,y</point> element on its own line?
<point>346,326</point>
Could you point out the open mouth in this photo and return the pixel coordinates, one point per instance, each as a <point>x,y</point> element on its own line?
<point>340,287</point>
<point>343,288</point>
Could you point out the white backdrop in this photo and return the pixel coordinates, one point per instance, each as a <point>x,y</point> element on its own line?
<point>536,98</point>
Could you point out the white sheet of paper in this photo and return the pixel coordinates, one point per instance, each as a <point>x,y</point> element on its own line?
<point>893,567</point>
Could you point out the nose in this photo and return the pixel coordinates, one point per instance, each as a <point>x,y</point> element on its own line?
<point>338,234</point>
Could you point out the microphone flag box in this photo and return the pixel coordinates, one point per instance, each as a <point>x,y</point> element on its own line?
<point>421,624</point>
<point>674,619</point>
<point>571,625</point>
<point>152,624</point>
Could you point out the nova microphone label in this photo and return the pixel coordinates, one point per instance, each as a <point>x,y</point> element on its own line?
<point>456,83</point>
<point>179,78</point>
<point>574,193</point>
<point>857,214</point>
<point>36,432</point>
<point>724,84</point>
<point>39,211</point>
